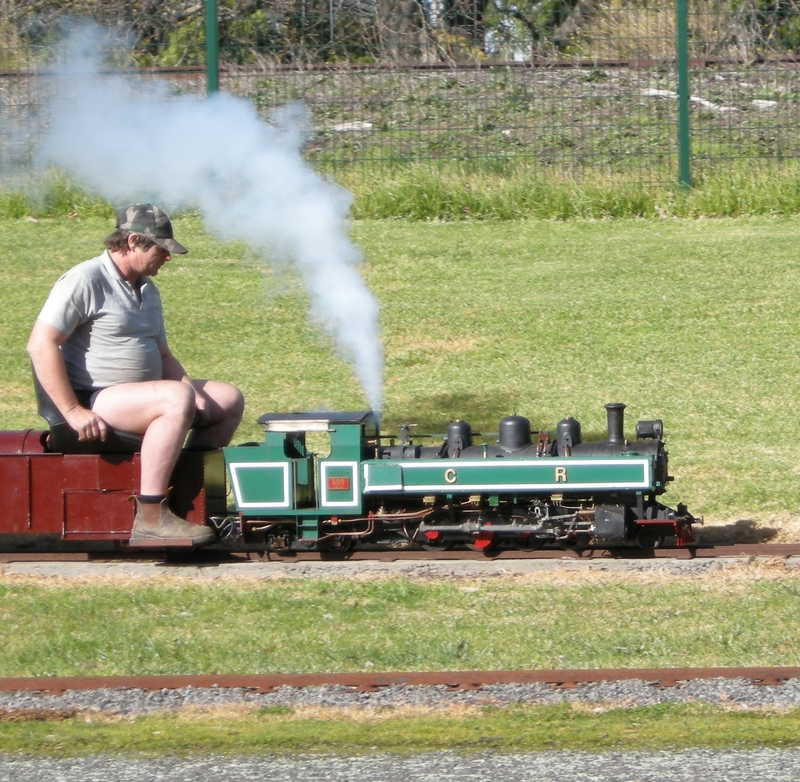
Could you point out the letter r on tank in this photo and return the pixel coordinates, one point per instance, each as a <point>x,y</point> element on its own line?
<point>561,474</point>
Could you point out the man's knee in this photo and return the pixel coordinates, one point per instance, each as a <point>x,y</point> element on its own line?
<point>236,408</point>
<point>177,399</point>
<point>225,396</point>
<point>233,406</point>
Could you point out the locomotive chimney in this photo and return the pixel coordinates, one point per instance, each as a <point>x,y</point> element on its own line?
<point>616,422</point>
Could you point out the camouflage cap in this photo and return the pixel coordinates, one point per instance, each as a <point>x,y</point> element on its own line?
<point>149,221</point>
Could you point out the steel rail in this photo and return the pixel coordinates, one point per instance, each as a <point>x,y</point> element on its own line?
<point>634,63</point>
<point>372,682</point>
<point>781,550</point>
<point>750,550</point>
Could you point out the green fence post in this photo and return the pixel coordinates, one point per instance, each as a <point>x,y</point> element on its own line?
<point>682,57</point>
<point>212,47</point>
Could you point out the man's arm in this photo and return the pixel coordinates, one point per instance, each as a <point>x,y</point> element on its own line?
<point>172,369</point>
<point>48,363</point>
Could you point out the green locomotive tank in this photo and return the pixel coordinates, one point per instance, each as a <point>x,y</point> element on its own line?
<point>514,490</point>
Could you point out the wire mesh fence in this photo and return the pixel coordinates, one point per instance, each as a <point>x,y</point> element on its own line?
<point>566,86</point>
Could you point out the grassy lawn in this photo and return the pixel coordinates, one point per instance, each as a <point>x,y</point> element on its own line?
<point>517,729</point>
<point>736,618</point>
<point>694,322</point>
<point>310,625</point>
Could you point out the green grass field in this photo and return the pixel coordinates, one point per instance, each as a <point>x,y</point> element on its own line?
<point>695,322</point>
<point>744,616</point>
<point>477,730</point>
<point>398,624</point>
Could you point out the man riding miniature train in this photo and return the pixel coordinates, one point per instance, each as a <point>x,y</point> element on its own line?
<point>99,350</point>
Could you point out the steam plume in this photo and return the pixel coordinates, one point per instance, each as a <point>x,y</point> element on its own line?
<point>133,141</point>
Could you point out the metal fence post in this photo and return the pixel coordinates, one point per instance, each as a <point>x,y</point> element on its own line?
<point>212,47</point>
<point>682,63</point>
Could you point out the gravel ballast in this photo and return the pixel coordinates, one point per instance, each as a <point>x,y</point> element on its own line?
<point>680,766</point>
<point>737,693</point>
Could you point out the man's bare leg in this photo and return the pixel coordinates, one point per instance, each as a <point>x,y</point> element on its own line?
<point>162,411</point>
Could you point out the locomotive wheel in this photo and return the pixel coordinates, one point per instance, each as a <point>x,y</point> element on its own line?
<point>433,540</point>
<point>647,539</point>
<point>337,547</point>
<point>529,543</point>
<point>484,541</point>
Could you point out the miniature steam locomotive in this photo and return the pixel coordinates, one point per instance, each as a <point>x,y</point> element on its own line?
<point>516,489</point>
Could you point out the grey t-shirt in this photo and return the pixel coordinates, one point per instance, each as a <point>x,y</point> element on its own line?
<point>112,335</point>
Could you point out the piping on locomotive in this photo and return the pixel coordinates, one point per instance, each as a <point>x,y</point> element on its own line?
<point>514,490</point>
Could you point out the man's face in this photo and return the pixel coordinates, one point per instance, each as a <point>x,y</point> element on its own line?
<point>149,261</point>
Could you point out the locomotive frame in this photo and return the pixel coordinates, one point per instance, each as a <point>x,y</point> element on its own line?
<point>513,490</point>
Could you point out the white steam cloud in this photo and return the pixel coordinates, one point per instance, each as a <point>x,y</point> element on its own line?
<point>132,141</point>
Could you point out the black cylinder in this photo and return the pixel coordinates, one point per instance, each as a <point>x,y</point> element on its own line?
<point>616,422</point>
<point>515,433</point>
<point>568,432</point>
<point>459,435</point>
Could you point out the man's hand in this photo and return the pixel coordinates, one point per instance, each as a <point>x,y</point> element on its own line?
<point>87,424</point>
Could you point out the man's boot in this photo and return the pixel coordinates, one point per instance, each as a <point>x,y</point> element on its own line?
<point>155,521</point>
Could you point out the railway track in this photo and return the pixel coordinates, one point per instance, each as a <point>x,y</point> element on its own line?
<point>779,550</point>
<point>374,682</point>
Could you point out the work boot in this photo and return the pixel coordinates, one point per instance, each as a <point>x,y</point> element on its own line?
<point>158,522</point>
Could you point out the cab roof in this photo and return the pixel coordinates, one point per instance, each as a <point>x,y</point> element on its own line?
<point>315,421</point>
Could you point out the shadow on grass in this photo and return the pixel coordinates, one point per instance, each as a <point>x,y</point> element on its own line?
<point>742,531</point>
<point>432,414</point>
<point>483,411</point>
